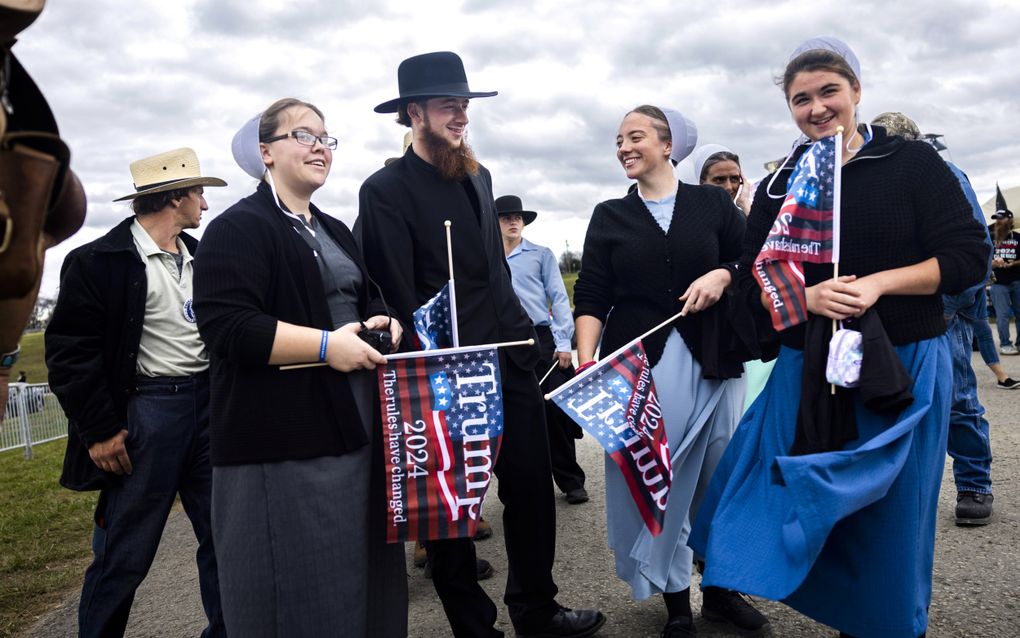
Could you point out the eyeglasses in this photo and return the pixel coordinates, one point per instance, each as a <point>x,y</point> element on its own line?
<point>736,180</point>
<point>305,138</point>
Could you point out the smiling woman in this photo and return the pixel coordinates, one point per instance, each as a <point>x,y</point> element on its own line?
<point>827,501</point>
<point>297,520</point>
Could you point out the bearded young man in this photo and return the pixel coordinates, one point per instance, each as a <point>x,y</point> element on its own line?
<point>401,228</point>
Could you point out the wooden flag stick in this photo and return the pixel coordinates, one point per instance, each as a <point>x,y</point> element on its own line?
<point>453,289</point>
<point>603,360</point>
<point>425,353</point>
<point>836,214</point>
<point>546,375</point>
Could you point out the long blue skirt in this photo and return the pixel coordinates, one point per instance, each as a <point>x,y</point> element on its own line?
<point>700,415</point>
<point>846,537</point>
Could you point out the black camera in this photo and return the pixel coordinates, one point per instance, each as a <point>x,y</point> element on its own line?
<point>378,339</point>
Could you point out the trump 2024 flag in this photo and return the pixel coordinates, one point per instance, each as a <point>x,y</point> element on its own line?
<point>806,230</point>
<point>442,420</point>
<point>617,404</point>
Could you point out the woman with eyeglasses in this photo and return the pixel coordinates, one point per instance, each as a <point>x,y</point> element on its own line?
<point>666,247</point>
<point>719,166</point>
<point>297,495</point>
<point>826,497</point>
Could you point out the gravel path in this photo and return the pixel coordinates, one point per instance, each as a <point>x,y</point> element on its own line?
<point>976,583</point>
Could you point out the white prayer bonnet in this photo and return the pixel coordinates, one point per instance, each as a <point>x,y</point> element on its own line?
<point>684,134</point>
<point>246,149</point>
<point>833,44</point>
<point>702,154</point>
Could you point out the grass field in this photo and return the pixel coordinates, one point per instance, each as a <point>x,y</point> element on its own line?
<point>569,280</point>
<point>33,360</point>
<point>45,533</point>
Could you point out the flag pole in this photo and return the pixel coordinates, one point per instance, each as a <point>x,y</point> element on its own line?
<point>602,361</point>
<point>836,214</point>
<point>546,375</point>
<point>453,292</point>
<point>425,353</point>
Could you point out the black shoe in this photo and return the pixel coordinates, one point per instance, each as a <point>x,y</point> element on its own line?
<point>570,624</point>
<point>483,569</point>
<point>727,606</point>
<point>578,496</point>
<point>679,627</point>
<point>1008,384</point>
<point>973,508</point>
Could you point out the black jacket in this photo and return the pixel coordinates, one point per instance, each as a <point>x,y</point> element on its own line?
<point>91,344</point>
<point>401,230</point>
<point>253,269</point>
<point>901,205</point>
<point>632,274</point>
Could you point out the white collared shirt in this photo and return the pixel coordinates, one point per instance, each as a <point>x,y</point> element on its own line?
<point>170,344</point>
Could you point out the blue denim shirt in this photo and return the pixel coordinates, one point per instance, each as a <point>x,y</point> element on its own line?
<point>538,284</point>
<point>964,302</point>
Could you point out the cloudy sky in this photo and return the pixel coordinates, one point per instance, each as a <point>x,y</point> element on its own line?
<point>132,78</point>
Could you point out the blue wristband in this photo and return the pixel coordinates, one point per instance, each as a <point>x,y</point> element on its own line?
<point>322,346</point>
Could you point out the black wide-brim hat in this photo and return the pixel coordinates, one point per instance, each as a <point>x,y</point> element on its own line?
<point>512,205</point>
<point>439,74</point>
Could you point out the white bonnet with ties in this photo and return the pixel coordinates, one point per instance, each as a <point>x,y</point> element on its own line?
<point>833,44</point>
<point>684,134</point>
<point>702,154</point>
<point>246,150</point>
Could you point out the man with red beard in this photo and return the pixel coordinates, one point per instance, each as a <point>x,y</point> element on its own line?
<point>401,228</point>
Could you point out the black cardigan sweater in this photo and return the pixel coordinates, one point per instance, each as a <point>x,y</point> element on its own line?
<point>633,269</point>
<point>901,205</point>
<point>253,270</point>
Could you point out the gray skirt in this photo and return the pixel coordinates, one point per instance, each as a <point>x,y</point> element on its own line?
<point>294,550</point>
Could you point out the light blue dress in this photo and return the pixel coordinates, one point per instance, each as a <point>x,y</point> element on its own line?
<point>700,417</point>
<point>844,537</point>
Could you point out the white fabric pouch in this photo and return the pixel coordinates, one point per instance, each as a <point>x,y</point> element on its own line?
<point>846,351</point>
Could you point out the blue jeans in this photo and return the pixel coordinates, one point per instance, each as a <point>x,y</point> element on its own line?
<point>982,331</point>
<point>1004,298</point>
<point>968,444</point>
<point>168,444</point>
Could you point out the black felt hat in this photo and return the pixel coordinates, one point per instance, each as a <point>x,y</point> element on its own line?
<point>439,74</point>
<point>512,205</point>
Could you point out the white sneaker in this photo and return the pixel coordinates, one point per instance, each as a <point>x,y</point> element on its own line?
<point>1008,350</point>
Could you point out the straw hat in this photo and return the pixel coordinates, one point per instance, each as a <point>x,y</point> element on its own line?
<point>407,143</point>
<point>166,172</point>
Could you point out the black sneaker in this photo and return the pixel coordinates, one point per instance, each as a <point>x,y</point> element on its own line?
<point>679,627</point>
<point>727,606</point>
<point>578,496</point>
<point>1009,384</point>
<point>973,508</point>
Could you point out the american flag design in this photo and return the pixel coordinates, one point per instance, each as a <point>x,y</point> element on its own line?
<point>803,232</point>
<point>442,418</point>
<point>434,321</point>
<point>616,403</point>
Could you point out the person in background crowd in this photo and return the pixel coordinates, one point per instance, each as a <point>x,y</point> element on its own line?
<point>1005,289</point>
<point>826,501</point>
<point>130,370</point>
<point>401,228</point>
<point>539,285</point>
<point>716,165</point>
<point>666,247</point>
<point>969,443</point>
<point>298,496</point>
<point>22,377</point>
<point>719,166</point>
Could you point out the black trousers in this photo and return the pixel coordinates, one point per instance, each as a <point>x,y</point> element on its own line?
<point>567,474</point>
<point>529,525</point>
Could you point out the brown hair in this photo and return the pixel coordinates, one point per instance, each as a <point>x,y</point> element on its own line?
<point>270,120</point>
<point>156,202</point>
<point>715,158</point>
<point>659,122</point>
<point>816,60</point>
<point>402,116</point>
